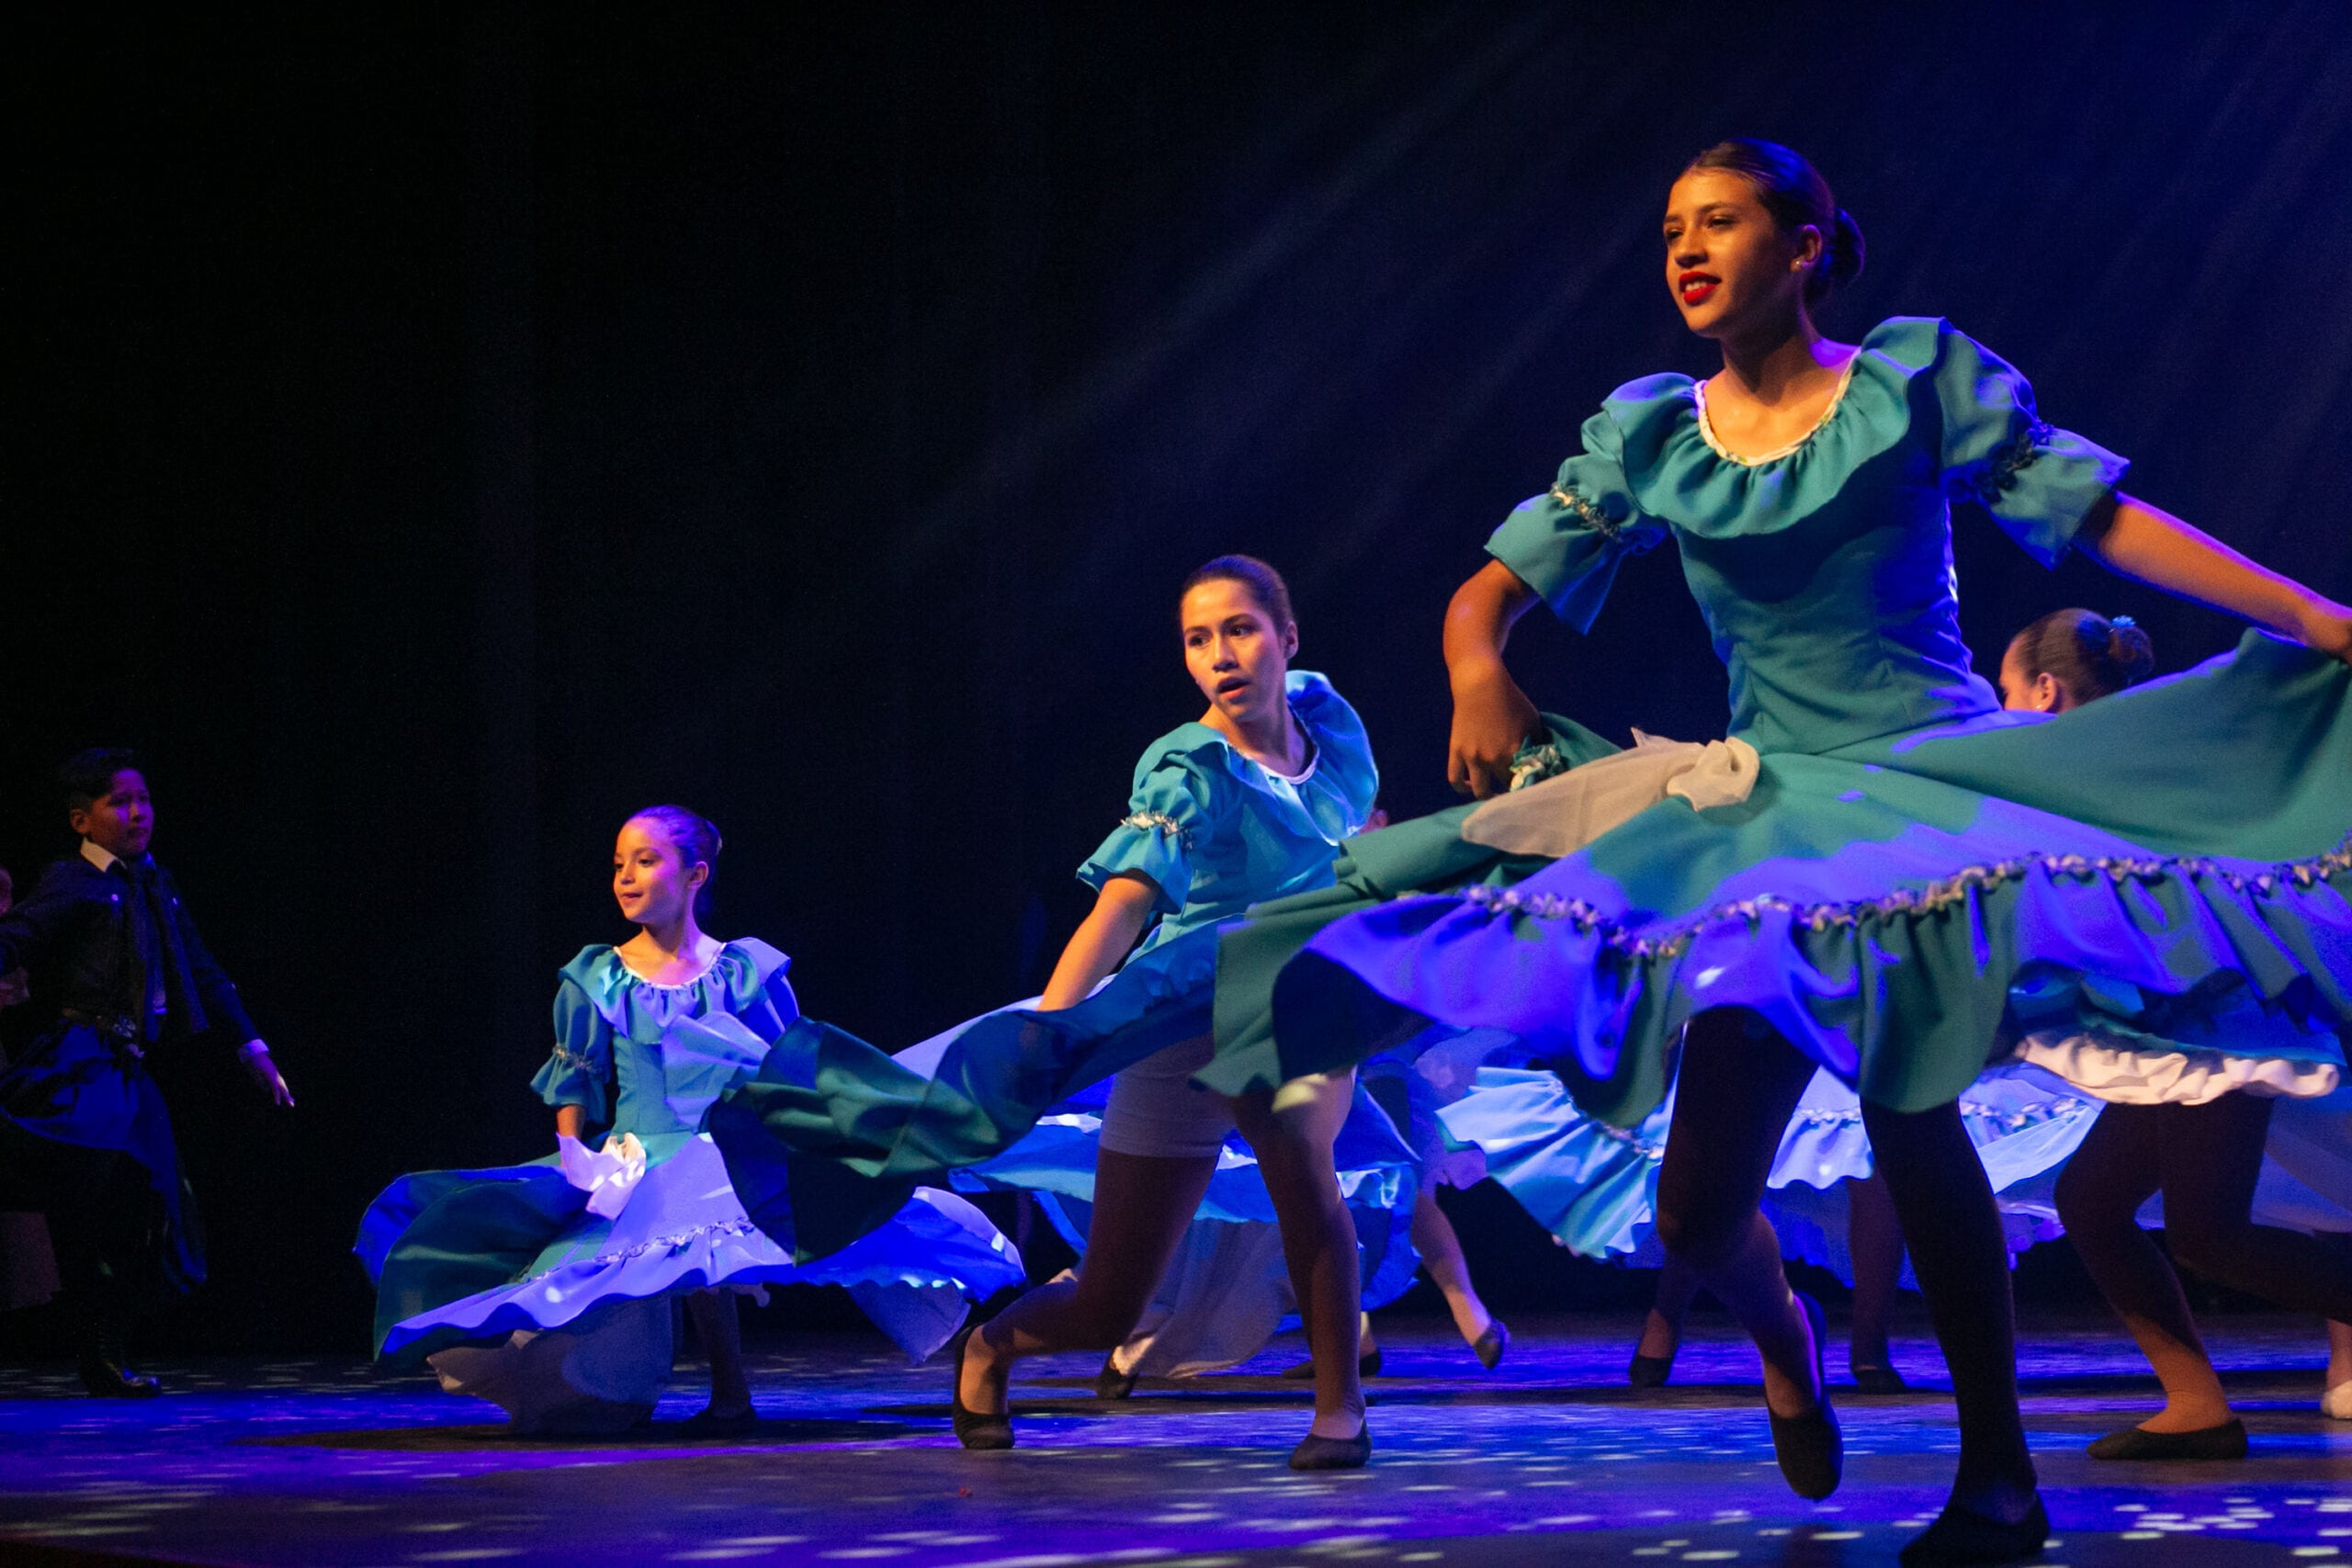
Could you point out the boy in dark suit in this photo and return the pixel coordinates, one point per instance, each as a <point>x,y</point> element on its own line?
<point>116,970</point>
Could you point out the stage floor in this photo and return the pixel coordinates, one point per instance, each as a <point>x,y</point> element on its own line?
<point>1549,1460</point>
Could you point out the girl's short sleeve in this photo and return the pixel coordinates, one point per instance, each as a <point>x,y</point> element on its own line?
<point>1567,543</point>
<point>581,1063</point>
<point>1170,816</point>
<point>2039,482</point>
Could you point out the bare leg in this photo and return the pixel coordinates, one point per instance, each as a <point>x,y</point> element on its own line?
<point>2118,1169</point>
<point>1293,1131</point>
<point>721,1332</point>
<point>1875,1238</point>
<point>1142,1204</point>
<point>2338,1401</point>
<point>1735,1092</point>
<point>1941,1193</point>
<point>1678,1287</point>
<point>1440,1252</point>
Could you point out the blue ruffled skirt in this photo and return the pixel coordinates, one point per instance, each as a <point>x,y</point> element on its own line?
<point>1227,1290</point>
<point>461,1255</point>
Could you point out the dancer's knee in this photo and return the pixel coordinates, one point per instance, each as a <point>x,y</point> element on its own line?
<point>2091,1202</point>
<point>1702,1236</point>
<point>2218,1250</point>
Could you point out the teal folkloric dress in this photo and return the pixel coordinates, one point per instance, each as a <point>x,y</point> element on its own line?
<point>463,1257</point>
<point>2162,873</point>
<point>831,1132</point>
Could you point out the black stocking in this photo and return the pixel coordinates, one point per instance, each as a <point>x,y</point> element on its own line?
<point>1949,1219</point>
<point>2212,1155</point>
<point>1736,1088</point>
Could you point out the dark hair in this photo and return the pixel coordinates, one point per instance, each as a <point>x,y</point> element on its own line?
<point>89,775</point>
<point>1264,583</point>
<point>1794,192</point>
<point>695,839</point>
<point>2089,655</point>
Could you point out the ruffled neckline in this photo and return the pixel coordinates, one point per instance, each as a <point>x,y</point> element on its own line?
<point>1331,727</point>
<point>743,968</point>
<point>1679,473</point>
<point>1786,448</point>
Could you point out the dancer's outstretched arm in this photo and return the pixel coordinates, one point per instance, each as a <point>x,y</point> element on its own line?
<point>1492,718</point>
<point>1121,911</point>
<point>2150,545</point>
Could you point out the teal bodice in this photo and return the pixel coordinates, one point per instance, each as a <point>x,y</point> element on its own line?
<point>1825,571</point>
<point>649,1059</point>
<point>1215,832</point>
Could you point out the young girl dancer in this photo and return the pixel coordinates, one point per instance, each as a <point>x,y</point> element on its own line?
<point>2203,1149</point>
<point>1905,848</point>
<point>1243,804</point>
<point>570,1263</point>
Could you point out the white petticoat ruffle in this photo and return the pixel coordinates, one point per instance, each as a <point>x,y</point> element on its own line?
<point>2122,1074</point>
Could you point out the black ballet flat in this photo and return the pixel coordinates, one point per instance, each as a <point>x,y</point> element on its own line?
<point>1649,1371</point>
<point>976,1430</point>
<point>1333,1453</point>
<point>1810,1449</point>
<point>704,1423</point>
<point>1960,1539</point>
<point>2224,1441</point>
<point>1111,1383</point>
<point>1879,1380</point>
<point>105,1377</point>
<point>1489,1346</point>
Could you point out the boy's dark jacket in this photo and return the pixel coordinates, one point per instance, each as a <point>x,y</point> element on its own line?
<point>74,937</point>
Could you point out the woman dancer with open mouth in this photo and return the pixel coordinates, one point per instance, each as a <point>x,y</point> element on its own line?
<point>1907,848</point>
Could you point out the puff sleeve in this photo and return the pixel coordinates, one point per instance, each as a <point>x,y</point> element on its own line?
<point>1171,813</point>
<point>2038,481</point>
<point>1567,543</point>
<point>581,1063</point>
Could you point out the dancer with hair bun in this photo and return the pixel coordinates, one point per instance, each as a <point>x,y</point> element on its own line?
<point>2197,1133</point>
<point>545,1288</point>
<point>1246,802</point>
<point>2068,658</point>
<point>1904,851</point>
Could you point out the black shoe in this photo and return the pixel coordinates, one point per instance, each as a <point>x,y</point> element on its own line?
<point>1111,1383</point>
<point>974,1430</point>
<point>106,1378</point>
<point>1489,1346</point>
<point>706,1423</point>
<point>1333,1453</point>
<point>1879,1380</point>
<point>1811,1450</point>
<point>1958,1539</point>
<point>1649,1371</point>
<point>2224,1441</point>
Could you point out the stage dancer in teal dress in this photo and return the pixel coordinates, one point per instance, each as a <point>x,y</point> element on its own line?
<point>1245,804</point>
<point>1906,850</point>
<point>547,1288</point>
<point>2201,1143</point>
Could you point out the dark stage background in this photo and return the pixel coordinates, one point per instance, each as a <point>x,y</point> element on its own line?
<point>432,437</point>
